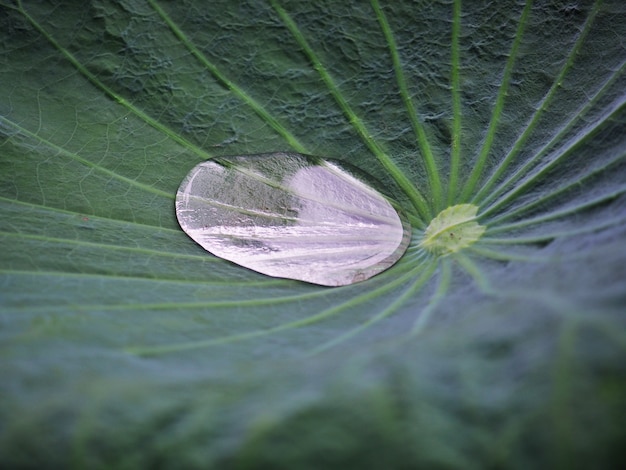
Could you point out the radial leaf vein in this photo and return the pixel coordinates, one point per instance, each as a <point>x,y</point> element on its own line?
<point>543,105</point>
<point>422,140</point>
<point>573,185</point>
<point>544,236</point>
<point>442,289</point>
<point>540,154</point>
<point>473,270</point>
<point>84,161</point>
<point>225,81</point>
<point>577,117</point>
<point>571,146</point>
<point>574,209</point>
<point>107,246</point>
<point>389,310</point>
<point>455,156</point>
<point>30,205</point>
<point>504,256</point>
<point>310,320</point>
<point>108,91</point>
<point>547,236</point>
<point>99,278</point>
<point>476,173</point>
<point>165,306</point>
<point>405,184</point>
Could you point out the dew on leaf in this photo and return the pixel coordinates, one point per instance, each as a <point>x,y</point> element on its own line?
<point>292,216</point>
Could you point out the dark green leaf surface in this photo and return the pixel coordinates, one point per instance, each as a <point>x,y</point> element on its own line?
<point>125,345</point>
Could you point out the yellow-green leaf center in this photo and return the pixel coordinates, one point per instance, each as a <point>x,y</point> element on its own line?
<point>454,228</point>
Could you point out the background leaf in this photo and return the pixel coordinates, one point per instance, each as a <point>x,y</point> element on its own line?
<point>124,344</point>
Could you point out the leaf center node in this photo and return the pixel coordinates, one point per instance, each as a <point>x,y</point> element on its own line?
<point>453,229</point>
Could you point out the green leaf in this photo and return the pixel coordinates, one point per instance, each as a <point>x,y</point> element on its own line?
<point>124,344</point>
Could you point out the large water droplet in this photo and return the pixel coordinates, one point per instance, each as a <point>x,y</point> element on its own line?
<point>292,216</point>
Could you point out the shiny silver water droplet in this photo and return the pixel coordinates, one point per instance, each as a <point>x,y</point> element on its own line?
<point>292,216</point>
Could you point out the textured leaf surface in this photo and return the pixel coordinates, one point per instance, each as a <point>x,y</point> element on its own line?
<point>125,345</point>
